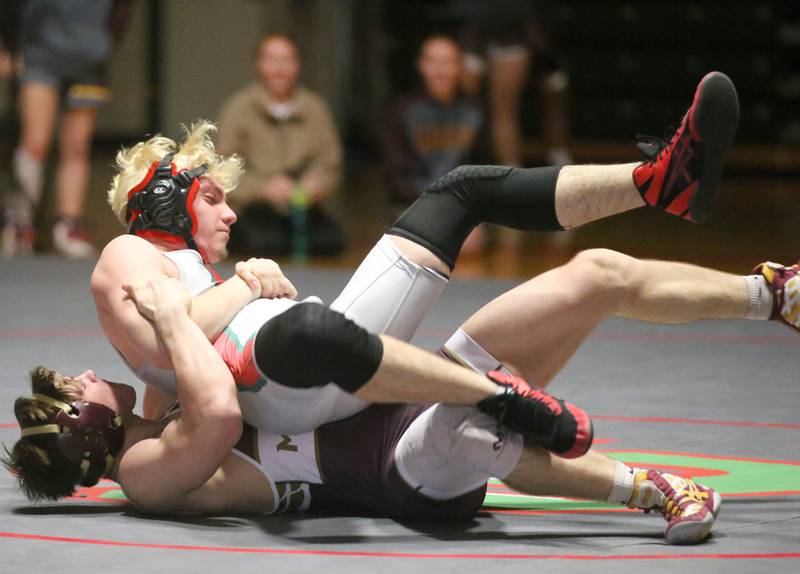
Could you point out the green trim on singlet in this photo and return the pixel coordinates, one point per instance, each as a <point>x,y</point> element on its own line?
<point>228,332</point>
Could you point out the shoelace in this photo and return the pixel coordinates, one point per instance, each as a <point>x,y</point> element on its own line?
<point>549,400</point>
<point>653,146</point>
<point>674,507</point>
<point>522,388</point>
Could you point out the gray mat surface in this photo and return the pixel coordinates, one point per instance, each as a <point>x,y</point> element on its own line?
<point>640,381</point>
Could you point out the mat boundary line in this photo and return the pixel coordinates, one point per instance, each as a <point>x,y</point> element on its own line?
<point>376,554</point>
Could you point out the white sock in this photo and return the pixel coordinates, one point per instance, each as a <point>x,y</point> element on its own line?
<point>622,491</point>
<point>29,173</point>
<point>759,298</point>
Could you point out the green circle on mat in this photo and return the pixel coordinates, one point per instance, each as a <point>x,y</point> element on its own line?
<point>728,476</point>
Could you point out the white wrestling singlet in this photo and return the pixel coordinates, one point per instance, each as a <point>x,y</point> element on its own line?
<point>387,294</point>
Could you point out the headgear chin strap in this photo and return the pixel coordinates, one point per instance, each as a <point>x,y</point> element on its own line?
<point>163,202</point>
<point>89,434</point>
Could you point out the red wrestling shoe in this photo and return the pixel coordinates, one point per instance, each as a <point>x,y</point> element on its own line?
<point>72,241</point>
<point>682,177</point>
<point>560,427</point>
<point>785,286</point>
<point>690,509</point>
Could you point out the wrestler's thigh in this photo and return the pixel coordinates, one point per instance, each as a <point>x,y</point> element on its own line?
<point>451,450</point>
<point>536,327</point>
<point>389,293</point>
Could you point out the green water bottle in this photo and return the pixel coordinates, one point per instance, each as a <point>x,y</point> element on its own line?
<point>299,204</point>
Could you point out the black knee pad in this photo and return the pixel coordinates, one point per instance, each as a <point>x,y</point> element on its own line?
<point>310,345</point>
<point>443,217</point>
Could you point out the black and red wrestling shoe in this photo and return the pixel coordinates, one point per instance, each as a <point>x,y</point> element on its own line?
<point>558,426</point>
<point>682,176</point>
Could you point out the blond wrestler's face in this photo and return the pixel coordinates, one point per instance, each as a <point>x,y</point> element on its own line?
<point>214,219</point>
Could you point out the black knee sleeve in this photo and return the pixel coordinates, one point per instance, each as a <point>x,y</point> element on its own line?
<point>310,345</point>
<point>443,217</point>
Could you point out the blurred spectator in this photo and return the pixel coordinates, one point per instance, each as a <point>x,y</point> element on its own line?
<point>510,37</point>
<point>431,131</point>
<point>59,50</point>
<point>286,135</point>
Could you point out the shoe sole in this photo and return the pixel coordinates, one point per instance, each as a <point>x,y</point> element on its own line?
<point>694,532</point>
<point>715,120</point>
<point>716,503</point>
<point>690,531</point>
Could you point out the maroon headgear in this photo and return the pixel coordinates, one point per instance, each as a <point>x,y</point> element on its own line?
<point>89,435</point>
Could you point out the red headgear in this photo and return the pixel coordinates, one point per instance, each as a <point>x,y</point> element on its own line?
<point>162,203</point>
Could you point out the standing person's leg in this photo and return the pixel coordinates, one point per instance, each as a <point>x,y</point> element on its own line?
<point>507,69</point>
<point>38,105</point>
<point>72,179</point>
<point>84,98</point>
<point>558,309</point>
<point>38,108</point>
<point>75,142</point>
<point>508,66</point>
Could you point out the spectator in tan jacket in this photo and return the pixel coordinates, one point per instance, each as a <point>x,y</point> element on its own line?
<point>287,136</point>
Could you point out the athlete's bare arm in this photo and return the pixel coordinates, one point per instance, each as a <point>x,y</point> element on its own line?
<point>130,259</point>
<point>158,473</point>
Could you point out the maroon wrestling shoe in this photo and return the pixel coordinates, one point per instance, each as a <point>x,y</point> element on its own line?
<point>785,285</point>
<point>682,177</point>
<point>558,426</point>
<point>689,508</point>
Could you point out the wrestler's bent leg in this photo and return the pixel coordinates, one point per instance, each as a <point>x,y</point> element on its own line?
<point>557,310</point>
<point>389,293</point>
<point>449,451</point>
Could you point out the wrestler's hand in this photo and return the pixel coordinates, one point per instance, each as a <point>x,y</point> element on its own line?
<point>265,279</point>
<point>161,295</point>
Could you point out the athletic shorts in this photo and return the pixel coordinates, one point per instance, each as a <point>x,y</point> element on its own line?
<point>359,474</point>
<point>79,86</point>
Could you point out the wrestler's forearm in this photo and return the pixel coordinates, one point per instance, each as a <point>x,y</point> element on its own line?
<point>408,374</point>
<point>204,383</point>
<point>216,307</point>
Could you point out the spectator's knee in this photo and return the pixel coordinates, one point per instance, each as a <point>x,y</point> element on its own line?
<point>36,148</point>
<point>75,151</point>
